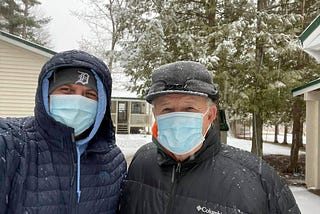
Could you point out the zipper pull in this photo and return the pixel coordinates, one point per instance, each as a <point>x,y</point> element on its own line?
<point>173,173</point>
<point>178,170</point>
<point>73,138</point>
<point>175,170</point>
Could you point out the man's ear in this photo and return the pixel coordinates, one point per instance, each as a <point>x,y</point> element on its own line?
<point>212,113</point>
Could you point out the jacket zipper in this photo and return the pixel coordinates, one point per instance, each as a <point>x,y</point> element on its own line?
<point>73,183</point>
<point>174,180</point>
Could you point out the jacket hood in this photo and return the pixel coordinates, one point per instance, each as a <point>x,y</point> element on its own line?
<point>103,126</point>
<point>102,133</point>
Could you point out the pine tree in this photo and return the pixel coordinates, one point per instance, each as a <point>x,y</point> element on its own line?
<point>18,19</point>
<point>11,12</point>
<point>250,47</point>
<point>165,31</point>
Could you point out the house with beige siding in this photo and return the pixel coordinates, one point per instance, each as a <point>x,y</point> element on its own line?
<point>311,94</point>
<point>310,42</point>
<point>20,65</point>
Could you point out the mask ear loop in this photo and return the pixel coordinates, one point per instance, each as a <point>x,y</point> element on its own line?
<point>209,126</point>
<point>204,114</point>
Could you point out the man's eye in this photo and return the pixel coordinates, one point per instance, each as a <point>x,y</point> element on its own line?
<point>166,110</point>
<point>92,95</point>
<point>65,89</point>
<point>191,109</point>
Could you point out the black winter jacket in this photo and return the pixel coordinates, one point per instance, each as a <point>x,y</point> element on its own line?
<point>38,156</point>
<point>216,180</point>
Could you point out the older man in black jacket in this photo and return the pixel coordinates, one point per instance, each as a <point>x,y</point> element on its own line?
<point>186,169</point>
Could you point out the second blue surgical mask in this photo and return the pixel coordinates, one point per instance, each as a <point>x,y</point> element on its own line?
<point>180,132</point>
<point>75,111</point>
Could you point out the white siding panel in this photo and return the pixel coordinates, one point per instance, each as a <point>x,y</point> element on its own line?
<point>19,70</point>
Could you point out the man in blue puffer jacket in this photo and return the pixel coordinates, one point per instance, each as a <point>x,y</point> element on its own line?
<point>64,159</point>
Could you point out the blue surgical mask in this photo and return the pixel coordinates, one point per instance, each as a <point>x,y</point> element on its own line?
<point>180,132</point>
<point>75,111</point>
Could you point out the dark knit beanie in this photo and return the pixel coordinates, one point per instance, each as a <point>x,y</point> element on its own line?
<point>71,75</point>
<point>182,77</point>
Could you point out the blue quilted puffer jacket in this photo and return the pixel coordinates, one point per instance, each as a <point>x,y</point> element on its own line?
<point>44,170</point>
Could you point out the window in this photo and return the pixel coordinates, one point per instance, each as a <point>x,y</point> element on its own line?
<point>137,107</point>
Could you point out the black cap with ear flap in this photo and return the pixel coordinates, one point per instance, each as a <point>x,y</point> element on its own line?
<point>72,75</point>
<point>182,77</point>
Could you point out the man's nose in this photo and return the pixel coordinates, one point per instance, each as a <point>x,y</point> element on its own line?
<point>80,91</point>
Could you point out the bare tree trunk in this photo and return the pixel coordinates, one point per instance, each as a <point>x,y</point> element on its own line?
<point>296,134</point>
<point>276,132</point>
<point>26,14</point>
<point>211,17</point>
<point>301,131</point>
<point>257,117</point>
<point>285,135</point>
<point>256,147</point>
<point>297,113</point>
<point>244,130</point>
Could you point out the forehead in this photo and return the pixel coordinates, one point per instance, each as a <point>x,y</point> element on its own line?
<point>179,99</point>
<point>77,86</point>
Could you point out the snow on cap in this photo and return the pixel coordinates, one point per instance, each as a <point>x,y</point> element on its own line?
<point>72,75</point>
<point>182,77</point>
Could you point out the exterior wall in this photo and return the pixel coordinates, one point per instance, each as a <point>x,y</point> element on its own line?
<point>313,140</point>
<point>19,70</point>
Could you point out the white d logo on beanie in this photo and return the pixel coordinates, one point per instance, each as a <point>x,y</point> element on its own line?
<point>83,78</point>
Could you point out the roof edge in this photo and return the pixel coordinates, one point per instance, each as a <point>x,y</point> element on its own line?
<point>312,26</point>
<point>27,43</point>
<point>306,87</point>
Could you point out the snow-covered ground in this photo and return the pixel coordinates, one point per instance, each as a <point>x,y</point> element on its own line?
<point>308,202</point>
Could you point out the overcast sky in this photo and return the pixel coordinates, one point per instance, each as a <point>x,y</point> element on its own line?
<point>65,29</point>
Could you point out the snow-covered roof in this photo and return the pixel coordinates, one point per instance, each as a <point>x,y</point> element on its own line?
<point>310,39</point>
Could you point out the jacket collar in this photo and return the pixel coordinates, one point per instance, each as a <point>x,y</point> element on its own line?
<point>60,136</point>
<point>56,134</point>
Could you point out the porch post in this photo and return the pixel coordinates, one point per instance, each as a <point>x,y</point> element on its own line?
<point>312,139</point>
